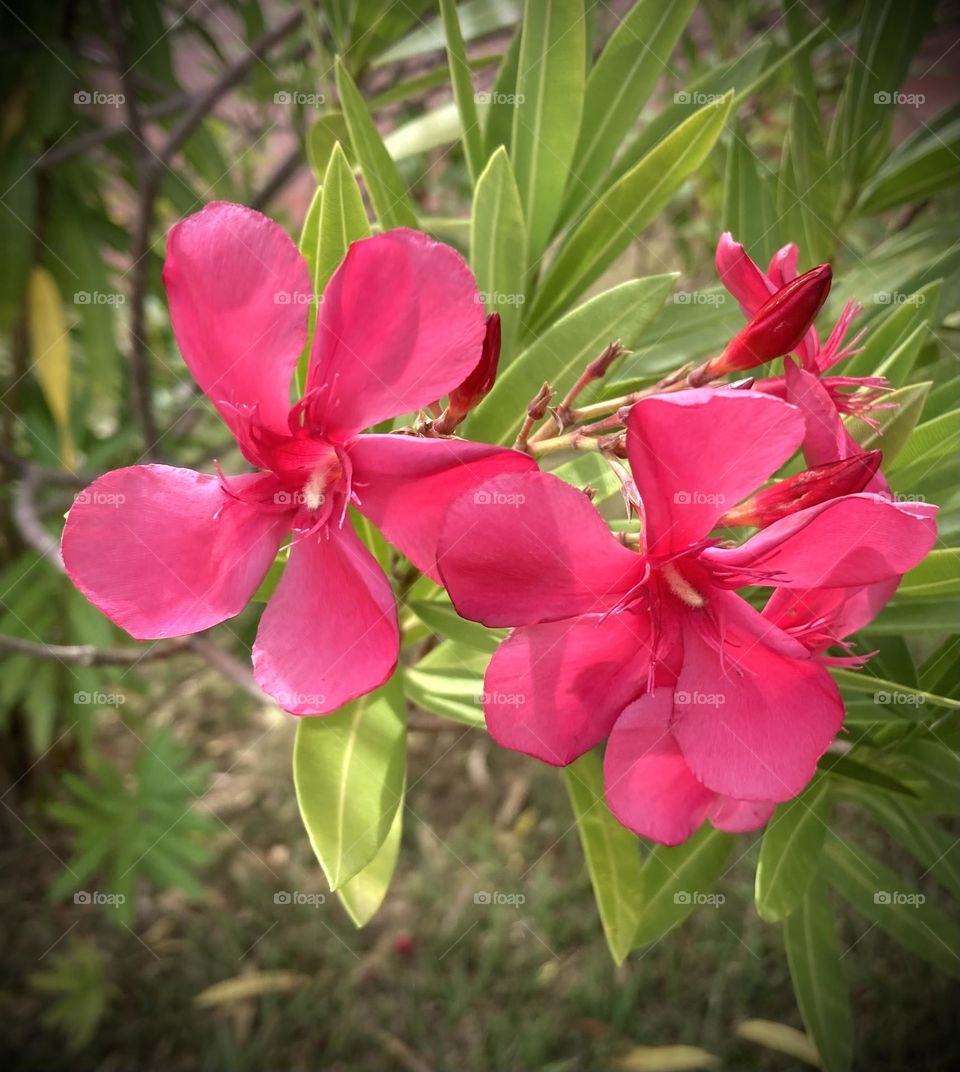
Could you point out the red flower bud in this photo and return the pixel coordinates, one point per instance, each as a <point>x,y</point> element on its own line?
<point>776,328</point>
<point>808,488</point>
<point>477,385</point>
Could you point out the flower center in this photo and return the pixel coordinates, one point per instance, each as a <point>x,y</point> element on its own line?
<point>681,587</point>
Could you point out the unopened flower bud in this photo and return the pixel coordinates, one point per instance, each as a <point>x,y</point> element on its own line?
<point>775,329</point>
<point>477,385</point>
<point>812,486</point>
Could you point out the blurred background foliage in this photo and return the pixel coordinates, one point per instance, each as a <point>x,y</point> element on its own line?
<point>163,905</point>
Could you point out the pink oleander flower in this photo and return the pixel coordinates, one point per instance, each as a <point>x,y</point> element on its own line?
<point>710,710</point>
<point>164,551</point>
<point>829,397</point>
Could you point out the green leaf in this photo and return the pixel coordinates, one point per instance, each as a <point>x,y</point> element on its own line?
<point>634,58</point>
<point>889,331</point>
<point>329,129</point>
<point>449,682</point>
<point>895,425</point>
<point>611,851</point>
<point>806,199</point>
<point>348,770</point>
<point>863,682</point>
<point>789,851</point>
<point>439,126</point>
<point>546,118</point>
<point>342,218</point>
<point>894,905</point>
<point>463,92</point>
<point>384,184</point>
<point>748,209</point>
<point>625,209</point>
<point>819,982</point>
<point>560,353</point>
<point>498,247</point>
<point>932,443</point>
<point>937,575</point>
<point>675,881</point>
<point>440,617</point>
<point>937,850</point>
<point>363,894</point>
<point>50,354</point>
<point>499,121</point>
<point>782,1038</point>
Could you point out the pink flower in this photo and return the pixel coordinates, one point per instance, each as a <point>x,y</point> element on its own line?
<point>712,710</point>
<point>164,551</point>
<point>827,398</point>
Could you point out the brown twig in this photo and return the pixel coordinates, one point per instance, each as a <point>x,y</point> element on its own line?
<point>562,416</point>
<point>536,408</point>
<point>89,655</point>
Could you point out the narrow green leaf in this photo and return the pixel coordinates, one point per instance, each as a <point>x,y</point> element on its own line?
<point>861,681</point>
<point>498,247</point>
<point>362,895</point>
<point>675,881</point>
<point>348,770</point>
<point>387,190</point>
<point>463,92</point>
<point>937,575</point>
<point>633,60</point>
<point>819,982</point>
<point>328,129</point>
<point>440,617</point>
<point>806,198</point>
<point>862,774</point>
<point>342,218</point>
<point>560,353</point>
<point>612,853</point>
<point>789,851</point>
<point>895,425</point>
<point>748,208</point>
<point>894,905</point>
<point>546,118</point>
<point>502,100</point>
<point>625,209</point>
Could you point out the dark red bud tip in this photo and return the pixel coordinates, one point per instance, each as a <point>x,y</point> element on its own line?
<point>778,326</point>
<point>809,488</point>
<point>477,385</point>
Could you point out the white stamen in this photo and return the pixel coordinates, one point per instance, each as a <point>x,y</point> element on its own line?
<point>681,587</point>
<point>313,491</point>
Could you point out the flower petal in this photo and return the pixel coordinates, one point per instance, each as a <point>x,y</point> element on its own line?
<point>739,816</point>
<point>554,690</point>
<point>528,547</point>
<point>848,542</point>
<point>239,293</point>
<point>741,276</point>
<point>695,454</point>
<point>824,616</point>
<point>649,787</point>
<point>752,713</point>
<point>401,324</point>
<point>329,632</point>
<point>405,484</point>
<point>826,438</point>
<point>166,552</point>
